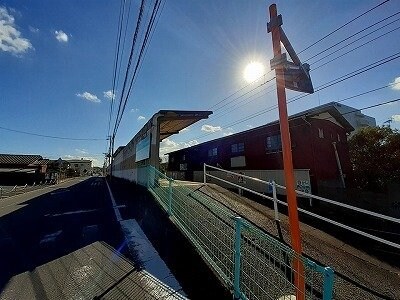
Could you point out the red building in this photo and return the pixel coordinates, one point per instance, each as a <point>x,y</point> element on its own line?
<point>319,144</point>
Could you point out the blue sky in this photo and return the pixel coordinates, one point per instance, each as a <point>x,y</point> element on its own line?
<point>56,62</point>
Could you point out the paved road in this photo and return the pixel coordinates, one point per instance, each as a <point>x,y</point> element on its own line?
<point>44,225</point>
<point>60,243</point>
<point>64,242</point>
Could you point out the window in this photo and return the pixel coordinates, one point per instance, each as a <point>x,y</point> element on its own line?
<point>183,157</point>
<point>274,143</point>
<point>320,133</point>
<point>212,152</point>
<point>237,148</point>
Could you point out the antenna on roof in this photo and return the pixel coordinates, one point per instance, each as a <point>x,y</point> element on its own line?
<point>388,122</point>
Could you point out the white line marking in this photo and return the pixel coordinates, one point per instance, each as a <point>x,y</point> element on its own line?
<point>116,211</point>
<point>50,237</point>
<point>71,213</point>
<point>145,254</point>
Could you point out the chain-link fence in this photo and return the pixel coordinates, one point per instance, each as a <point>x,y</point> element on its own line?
<point>251,263</point>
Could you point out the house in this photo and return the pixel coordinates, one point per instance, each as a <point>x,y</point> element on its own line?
<point>21,169</point>
<point>319,147</point>
<point>354,116</point>
<point>82,166</point>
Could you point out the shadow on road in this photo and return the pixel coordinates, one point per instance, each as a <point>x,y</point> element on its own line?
<point>37,231</point>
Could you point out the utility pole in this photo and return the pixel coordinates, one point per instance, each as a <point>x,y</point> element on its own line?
<point>295,76</point>
<point>112,139</point>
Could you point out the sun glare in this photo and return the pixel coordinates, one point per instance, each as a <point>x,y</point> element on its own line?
<point>253,71</point>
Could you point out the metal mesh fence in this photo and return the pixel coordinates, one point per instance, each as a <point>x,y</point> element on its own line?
<point>250,262</point>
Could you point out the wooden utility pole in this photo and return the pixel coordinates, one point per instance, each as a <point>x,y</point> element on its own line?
<point>274,27</point>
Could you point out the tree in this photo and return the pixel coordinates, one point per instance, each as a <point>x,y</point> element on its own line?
<point>375,157</point>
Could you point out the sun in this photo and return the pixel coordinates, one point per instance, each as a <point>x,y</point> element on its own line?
<point>253,71</point>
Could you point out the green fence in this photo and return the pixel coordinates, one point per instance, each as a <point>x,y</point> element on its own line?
<point>253,264</point>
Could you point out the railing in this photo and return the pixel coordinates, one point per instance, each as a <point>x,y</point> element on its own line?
<point>275,200</point>
<point>16,190</point>
<point>251,263</point>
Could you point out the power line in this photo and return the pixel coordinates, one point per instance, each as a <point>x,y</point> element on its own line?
<point>139,60</point>
<point>362,45</point>
<point>149,29</point>
<point>253,89</point>
<point>370,26</point>
<point>350,111</point>
<point>349,75</point>
<point>51,136</point>
<point>242,88</point>
<point>321,87</point>
<point>355,110</point>
<point>152,33</point>
<point>116,58</point>
<point>219,116</point>
<point>234,93</point>
<point>353,35</point>
<point>234,99</point>
<point>138,21</point>
<point>251,116</point>
<point>324,64</point>
<point>344,25</point>
<point>250,98</point>
<point>298,97</point>
<point>336,81</point>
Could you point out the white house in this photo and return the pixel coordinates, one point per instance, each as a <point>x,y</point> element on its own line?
<point>83,166</point>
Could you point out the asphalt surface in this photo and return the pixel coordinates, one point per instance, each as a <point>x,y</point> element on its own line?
<point>43,225</point>
<point>64,242</point>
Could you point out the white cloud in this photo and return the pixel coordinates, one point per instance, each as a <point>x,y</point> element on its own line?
<point>396,118</point>
<point>81,151</point>
<point>396,83</point>
<point>33,29</point>
<point>210,128</point>
<point>88,96</point>
<point>141,118</point>
<point>109,95</point>
<point>249,126</point>
<point>10,38</point>
<point>61,36</point>
<point>133,110</point>
<point>168,145</point>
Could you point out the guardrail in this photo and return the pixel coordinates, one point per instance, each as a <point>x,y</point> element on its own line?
<point>251,263</point>
<point>275,200</point>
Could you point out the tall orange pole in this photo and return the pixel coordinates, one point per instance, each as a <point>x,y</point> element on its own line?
<point>287,159</point>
